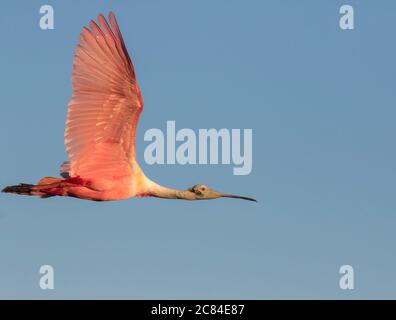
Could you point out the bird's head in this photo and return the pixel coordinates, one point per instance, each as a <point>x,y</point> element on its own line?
<point>202,192</point>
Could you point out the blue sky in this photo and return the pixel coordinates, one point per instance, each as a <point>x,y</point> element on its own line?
<point>320,101</point>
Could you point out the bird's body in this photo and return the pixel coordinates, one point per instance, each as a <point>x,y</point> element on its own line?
<point>132,185</point>
<point>100,135</point>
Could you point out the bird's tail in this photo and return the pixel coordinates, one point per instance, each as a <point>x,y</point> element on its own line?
<point>33,190</point>
<point>22,188</point>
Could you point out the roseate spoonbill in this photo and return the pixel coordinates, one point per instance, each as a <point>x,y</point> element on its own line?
<point>100,133</point>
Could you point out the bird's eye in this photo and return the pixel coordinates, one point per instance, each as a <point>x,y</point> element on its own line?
<point>203,188</point>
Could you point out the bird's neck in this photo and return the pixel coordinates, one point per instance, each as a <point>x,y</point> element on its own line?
<point>156,190</point>
<point>149,188</point>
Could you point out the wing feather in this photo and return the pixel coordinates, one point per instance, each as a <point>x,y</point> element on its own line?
<point>104,111</point>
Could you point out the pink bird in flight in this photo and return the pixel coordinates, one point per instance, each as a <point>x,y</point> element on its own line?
<point>100,135</point>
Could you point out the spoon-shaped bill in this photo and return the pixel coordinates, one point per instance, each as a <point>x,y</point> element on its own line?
<point>226,195</point>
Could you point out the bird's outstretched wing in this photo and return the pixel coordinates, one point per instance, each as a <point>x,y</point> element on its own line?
<point>104,111</point>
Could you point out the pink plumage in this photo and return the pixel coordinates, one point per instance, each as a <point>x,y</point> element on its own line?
<point>100,135</point>
<point>103,114</point>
